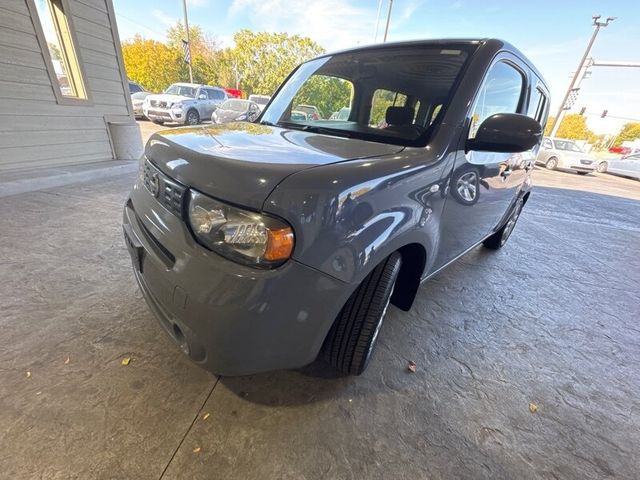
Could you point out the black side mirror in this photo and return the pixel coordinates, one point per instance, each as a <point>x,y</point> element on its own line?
<point>507,133</point>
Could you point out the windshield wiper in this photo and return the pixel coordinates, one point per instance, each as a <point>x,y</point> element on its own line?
<point>327,131</point>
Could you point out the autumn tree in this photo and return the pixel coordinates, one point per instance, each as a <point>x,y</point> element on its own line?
<point>630,131</point>
<point>205,53</point>
<point>152,64</point>
<point>259,62</point>
<point>573,127</point>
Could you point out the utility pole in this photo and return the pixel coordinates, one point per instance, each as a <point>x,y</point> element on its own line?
<point>375,37</point>
<point>186,26</point>
<point>577,77</point>
<point>386,28</point>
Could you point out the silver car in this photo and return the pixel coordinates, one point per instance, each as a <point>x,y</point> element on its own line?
<point>627,166</point>
<point>562,154</point>
<point>137,100</point>
<point>183,103</point>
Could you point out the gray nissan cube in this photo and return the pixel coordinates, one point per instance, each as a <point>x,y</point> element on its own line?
<point>264,245</point>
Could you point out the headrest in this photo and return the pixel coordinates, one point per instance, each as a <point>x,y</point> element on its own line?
<point>399,115</point>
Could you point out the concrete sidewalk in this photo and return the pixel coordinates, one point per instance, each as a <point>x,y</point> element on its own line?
<point>550,320</point>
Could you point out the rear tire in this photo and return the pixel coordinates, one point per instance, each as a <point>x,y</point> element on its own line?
<point>352,338</point>
<point>498,239</point>
<point>552,163</point>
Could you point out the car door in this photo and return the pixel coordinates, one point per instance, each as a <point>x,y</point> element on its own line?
<point>480,190</point>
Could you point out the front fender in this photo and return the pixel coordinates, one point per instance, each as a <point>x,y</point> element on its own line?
<point>348,216</point>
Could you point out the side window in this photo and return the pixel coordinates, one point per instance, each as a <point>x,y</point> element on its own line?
<point>58,41</point>
<point>537,105</point>
<point>217,95</point>
<point>211,94</point>
<point>546,143</point>
<point>380,102</point>
<point>500,93</point>
<point>319,97</point>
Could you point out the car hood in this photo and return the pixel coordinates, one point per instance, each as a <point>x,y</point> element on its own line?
<point>166,97</point>
<point>243,162</point>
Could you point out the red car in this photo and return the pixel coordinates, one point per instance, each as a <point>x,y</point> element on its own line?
<point>233,92</point>
<point>620,150</point>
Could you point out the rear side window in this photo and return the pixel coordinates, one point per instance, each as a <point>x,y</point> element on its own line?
<point>500,93</point>
<point>537,105</point>
<point>380,102</point>
<point>215,94</point>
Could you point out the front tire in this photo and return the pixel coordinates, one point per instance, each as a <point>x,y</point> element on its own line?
<point>552,163</point>
<point>498,239</point>
<point>602,167</point>
<point>193,117</point>
<point>352,338</point>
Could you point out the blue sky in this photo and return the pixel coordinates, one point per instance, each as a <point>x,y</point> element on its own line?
<point>553,34</point>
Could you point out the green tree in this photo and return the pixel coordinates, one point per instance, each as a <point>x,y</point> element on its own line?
<point>151,63</point>
<point>630,131</point>
<point>573,127</point>
<point>205,53</point>
<point>329,94</point>
<point>259,62</point>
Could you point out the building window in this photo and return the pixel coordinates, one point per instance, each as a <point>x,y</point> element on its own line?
<point>58,37</point>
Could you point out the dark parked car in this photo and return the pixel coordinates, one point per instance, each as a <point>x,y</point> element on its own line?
<point>260,246</point>
<point>236,110</point>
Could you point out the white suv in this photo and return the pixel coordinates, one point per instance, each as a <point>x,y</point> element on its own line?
<point>184,103</point>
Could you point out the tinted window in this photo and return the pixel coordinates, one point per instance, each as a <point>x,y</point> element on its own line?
<point>215,94</point>
<point>134,88</point>
<point>500,93</point>
<point>537,105</point>
<point>380,102</point>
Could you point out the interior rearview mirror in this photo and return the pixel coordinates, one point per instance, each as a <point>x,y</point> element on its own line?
<point>507,133</point>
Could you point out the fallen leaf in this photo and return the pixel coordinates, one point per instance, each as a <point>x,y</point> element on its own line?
<point>533,408</point>
<point>411,366</point>
<point>125,361</point>
<point>205,416</point>
<point>196,450</point>
<point>28,374</point>
<point>67,360</point>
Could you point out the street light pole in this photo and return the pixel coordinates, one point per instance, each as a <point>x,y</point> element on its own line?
<point>375,37</point>
<point>577,76</point>
<point>186,26</point>
<point>386,28</point>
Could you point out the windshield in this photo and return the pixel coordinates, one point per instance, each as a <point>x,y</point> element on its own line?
<point>235,105</point>
<point>565,145</point>
<point>259,99</point>
<point>181,90</point>
<point>383,94</point>
<point>140,95</point>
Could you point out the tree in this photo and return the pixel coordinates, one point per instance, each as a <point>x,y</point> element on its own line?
<point>205,53</point>
<point>259,62</point>
<point>152,64</point>
<point>573,127</point>
<point>630,131</point>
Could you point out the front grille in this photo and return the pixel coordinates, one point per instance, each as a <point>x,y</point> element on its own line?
<point>158,103</point>
<point>168,192</point>
<point>586,162</point>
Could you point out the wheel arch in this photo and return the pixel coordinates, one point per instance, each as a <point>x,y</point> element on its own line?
<point>414,259</point>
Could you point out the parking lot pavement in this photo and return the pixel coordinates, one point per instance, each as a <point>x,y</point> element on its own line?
<point>528,360</point>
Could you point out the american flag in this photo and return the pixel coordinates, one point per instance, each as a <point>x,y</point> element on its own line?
<point>187,53</point>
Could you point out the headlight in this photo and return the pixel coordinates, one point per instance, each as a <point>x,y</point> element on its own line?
<point>176,106</point>
<point>243,236</point>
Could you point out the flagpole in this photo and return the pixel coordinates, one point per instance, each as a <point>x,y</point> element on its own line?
<point>186,26</point>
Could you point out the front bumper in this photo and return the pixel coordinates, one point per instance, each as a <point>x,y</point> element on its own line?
<point>229,318</point>
<point>164,115</point>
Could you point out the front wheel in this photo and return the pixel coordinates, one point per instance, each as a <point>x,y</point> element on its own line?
<point>193,117</point>
<point>352,338</point>
<point>552,163</point>
<point>602,167</point>
<point>498,239</point>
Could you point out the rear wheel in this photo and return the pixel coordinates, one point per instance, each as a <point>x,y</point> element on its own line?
<point>498,239</point>
<point>552,163</point>
<point>352,338</point>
